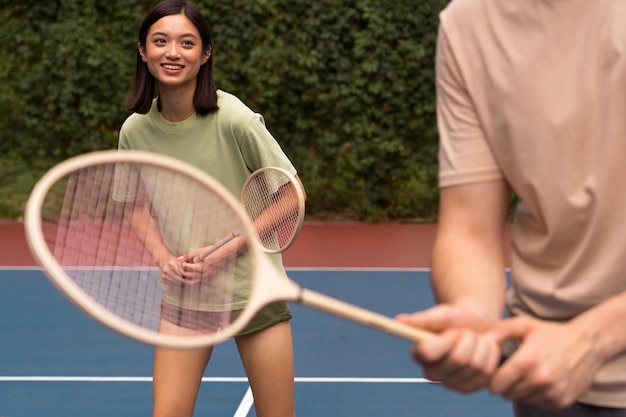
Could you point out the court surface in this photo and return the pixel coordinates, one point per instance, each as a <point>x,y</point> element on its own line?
<point>55,362</point>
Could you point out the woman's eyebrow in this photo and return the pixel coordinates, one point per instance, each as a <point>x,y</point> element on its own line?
<point>165,35</point>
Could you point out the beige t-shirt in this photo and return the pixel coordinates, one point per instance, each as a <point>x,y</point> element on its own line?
<point>534,92</point>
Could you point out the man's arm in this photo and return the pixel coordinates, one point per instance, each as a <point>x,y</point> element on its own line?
<point>468,256</point>
<point>469,283</point>
<point>556,362</point>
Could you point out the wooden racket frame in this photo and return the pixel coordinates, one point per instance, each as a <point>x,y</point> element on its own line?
<point>268,284</point>
<point>66,285</point>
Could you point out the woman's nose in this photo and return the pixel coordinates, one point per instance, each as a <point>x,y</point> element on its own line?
<point>172,52</point>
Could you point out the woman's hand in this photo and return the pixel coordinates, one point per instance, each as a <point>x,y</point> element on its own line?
<point>196,271</point>
<point>170,267</point>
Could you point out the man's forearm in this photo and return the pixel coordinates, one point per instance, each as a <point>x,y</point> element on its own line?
<point>605,322</point>
<point>469,273</point>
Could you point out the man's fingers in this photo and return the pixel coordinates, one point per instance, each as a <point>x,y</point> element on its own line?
<point>511,329</point>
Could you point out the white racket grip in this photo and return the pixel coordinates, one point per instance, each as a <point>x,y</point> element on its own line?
<point>362,316</point>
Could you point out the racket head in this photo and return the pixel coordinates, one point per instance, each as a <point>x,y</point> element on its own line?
<point>275,202</point>
<point>77,225</point>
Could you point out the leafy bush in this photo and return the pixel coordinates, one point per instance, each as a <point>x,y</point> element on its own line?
<point>346,87</point>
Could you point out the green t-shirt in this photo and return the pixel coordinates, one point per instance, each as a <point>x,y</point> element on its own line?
<point>228,144</point>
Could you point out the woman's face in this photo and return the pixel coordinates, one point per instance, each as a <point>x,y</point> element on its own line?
<point>173,51</point>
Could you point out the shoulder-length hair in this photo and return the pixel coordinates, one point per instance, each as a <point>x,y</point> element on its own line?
<point>143,91</point>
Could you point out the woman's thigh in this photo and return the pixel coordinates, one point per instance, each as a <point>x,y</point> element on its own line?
<point>177,375</point>
<point>267,357</point>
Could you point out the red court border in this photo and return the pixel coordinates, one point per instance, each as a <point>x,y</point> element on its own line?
<point>319,245</point>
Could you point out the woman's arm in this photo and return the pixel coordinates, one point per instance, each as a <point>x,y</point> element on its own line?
<point>149,235</point>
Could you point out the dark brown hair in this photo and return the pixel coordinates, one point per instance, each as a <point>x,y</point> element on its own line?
<point>143,91</point>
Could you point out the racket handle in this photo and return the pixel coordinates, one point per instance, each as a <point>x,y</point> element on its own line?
<point>508,347</point>
<point>377,321</point>
<point>362,316</point>
<point>213,248</point>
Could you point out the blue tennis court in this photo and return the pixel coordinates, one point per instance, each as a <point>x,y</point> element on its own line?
<point>55,362</point>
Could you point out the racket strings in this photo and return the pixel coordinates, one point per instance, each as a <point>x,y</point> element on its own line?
<point>90,233</point>
<point>274,203</point>
<point>90,243</point>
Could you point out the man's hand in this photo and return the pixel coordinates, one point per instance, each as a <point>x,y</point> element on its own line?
<point>462,356</point>
<point>553,365</point>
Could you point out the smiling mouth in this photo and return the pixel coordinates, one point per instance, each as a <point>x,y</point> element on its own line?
<point>172,67</point>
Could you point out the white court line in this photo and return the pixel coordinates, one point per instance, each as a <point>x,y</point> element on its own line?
<point>20,268</point>
<point>293,268</point>
<point>247,401</point>
<point>357,269</point>
<point>366,380</point>
<point>245,405</point>
<point>288,268</point>
<point>210,379</point>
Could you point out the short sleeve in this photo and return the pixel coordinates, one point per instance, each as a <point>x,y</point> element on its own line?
<point>464,152</point>
<point>260,149</point>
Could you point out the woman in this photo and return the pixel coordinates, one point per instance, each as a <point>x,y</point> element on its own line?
<point>191,120</point>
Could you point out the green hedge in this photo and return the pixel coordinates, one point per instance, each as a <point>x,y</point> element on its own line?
<point>347,87</point>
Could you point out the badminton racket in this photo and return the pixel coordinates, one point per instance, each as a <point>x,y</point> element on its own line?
<point>99,225</point>
<point>274,201</point>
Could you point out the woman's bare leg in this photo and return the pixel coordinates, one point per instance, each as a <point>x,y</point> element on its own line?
<point>267,357</point>
<point>177,375</point>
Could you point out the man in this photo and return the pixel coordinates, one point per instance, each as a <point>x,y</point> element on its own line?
<point>531,98</point>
